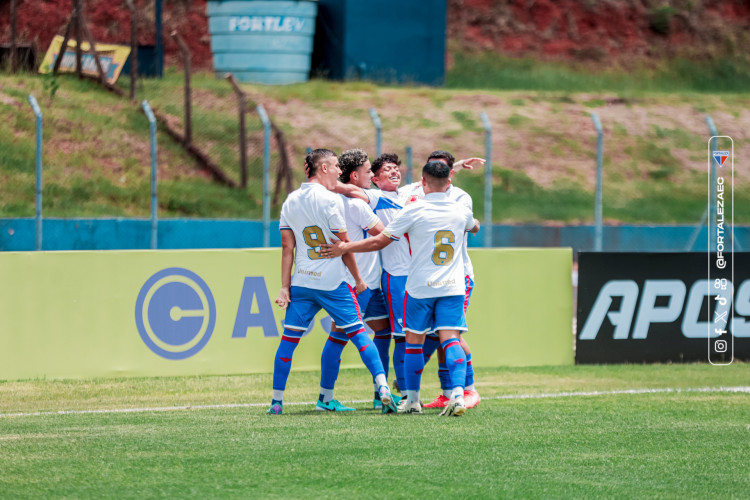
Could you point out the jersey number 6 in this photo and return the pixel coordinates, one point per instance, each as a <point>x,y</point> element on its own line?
<point>443,254</point>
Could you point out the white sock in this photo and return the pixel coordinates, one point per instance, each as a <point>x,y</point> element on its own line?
<point>457,392</point>
<point>327,394</point>
<point>447,393</point>
<point>412,397</point>
<point>278,395</point>
<point>380,380</point>
<point>408,395</point>
<point>470,388</point>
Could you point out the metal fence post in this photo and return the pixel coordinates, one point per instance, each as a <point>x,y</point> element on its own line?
<point>186,61</point>
<point>712,202</point>
<point>38,114</point>
<point>242,108</point>
<point>154,199</point>
<point>598,230</point>
<point>266,175</point>
<point>409,166</point>
<point>378,131</point>
<point>487,179</point>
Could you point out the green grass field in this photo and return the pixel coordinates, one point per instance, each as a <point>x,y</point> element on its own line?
<point>217,441</point>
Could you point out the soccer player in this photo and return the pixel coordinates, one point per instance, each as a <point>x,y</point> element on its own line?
<point>432,343</point>
<point>435,287</point>
<point>310,217</point>
<point>386,202</point>
<point>356,170</point>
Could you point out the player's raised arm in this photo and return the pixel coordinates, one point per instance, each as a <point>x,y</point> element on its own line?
<point>468,164</point>
<point>339,248</point>
<point>288,243</point>
<point>350,191</point>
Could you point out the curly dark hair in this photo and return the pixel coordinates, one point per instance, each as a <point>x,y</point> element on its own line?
<point>313,159</point>
<point>442,155</point>
<point>383,159</point>
<point>349,161</point>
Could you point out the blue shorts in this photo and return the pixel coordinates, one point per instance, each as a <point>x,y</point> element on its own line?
<point>467,296</point>
<point>394,291</point>
<point>433,314</point>
<point>341,304</point>
<point>372,305</point>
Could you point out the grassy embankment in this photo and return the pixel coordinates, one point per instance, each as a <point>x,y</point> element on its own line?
<point>96,154</point>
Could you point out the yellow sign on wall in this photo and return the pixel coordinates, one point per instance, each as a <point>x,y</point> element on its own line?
<point>190,312</point>
<point>112,58</point>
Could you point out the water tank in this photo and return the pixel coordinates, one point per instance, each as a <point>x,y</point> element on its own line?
<point>262,41</point>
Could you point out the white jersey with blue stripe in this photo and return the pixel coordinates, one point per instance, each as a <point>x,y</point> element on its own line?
<point>359,220</point>
<point>395,257</point>
<point>436,226</point>
<point>315,215</point>
<point>458,195</point>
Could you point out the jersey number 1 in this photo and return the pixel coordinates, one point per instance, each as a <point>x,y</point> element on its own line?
<point>443,253</point>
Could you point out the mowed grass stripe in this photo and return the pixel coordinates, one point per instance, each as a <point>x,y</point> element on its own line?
<point>745,389</point>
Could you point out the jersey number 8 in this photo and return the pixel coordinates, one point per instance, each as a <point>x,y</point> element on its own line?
<point>443,253</point>
<point>314,238</point>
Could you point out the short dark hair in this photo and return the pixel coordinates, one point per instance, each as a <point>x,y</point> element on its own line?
<point>349,161</point>
<point>383,159</point>
<point>436,169</point>
<point>313,159</point>
<point>442,155</point>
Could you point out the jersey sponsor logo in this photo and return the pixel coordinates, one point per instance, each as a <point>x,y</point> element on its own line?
<point>435,284</point>
<point>312,274</point>
<point>175,313</point>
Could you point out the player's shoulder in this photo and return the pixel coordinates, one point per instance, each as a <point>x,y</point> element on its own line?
<point>292,197</point>
<point>410,188</point>
<point>373,194</point>
<point>456,192</point>
<point>354,202</point>
<point>328,196</point>
<point>413,208</point>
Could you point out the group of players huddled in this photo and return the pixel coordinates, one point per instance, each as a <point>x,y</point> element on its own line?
<point>410,281</point>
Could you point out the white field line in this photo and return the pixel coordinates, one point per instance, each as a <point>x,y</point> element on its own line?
<point>660,390</point>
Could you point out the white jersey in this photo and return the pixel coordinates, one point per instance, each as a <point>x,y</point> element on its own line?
<point>359,219</point>
<point>315,215</point>
<point>387,205</point>
<point>414,192</point>
<point>436,226</point>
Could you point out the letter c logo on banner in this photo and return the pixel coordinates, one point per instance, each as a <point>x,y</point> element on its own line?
<point>175,313</point>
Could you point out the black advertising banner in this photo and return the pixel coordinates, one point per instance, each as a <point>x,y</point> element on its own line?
<point>656,307</point>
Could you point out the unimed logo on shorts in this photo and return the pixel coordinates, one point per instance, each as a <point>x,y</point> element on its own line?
<point>175,313</point>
